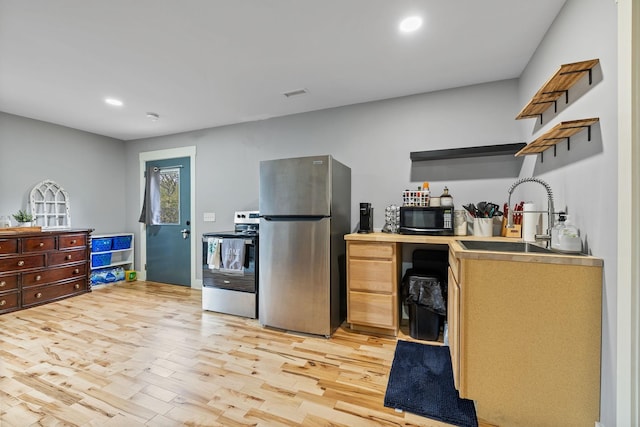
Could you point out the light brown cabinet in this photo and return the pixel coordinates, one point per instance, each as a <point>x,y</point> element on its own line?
<point>373,275</point>
<point>453,316</point>
<point>40,267</point>
<point>524,337</point>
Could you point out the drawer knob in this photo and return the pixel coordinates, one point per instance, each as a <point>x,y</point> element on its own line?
<point>38,277</point>
<point>68,257</point>
<point>76,271</point>
<point>20,263</point>
<point>39,295</point>
<point>3,302</point>
<point>73,242</point>
<point>77,286</point>
<point>3,284</point>
<point>41,244</point>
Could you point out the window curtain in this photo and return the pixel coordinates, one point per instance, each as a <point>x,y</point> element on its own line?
<point>150,214</point>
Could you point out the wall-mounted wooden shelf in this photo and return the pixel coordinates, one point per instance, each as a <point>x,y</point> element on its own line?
<point>559,84</point>
<point>560,132</point>
<point>466,152</point>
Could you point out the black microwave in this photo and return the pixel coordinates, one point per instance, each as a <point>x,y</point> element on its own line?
<point>432,221</point>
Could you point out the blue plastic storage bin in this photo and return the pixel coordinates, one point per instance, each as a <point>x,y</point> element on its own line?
<point>98,260</point>
<point>101,244</point>
<point>121,242</point>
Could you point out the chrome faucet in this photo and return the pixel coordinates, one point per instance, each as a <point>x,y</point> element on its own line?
<point>550,209</point>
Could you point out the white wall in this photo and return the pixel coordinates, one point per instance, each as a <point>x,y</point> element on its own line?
<point>88,166</point>
<point>373,139</point>
<point>584,179</point>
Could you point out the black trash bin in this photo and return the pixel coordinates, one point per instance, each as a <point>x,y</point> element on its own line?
<point>424,296</point>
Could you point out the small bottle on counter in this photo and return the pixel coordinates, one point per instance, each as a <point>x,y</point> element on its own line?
<point>446,199</point>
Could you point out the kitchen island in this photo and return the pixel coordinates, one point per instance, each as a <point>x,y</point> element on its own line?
<point>524,328</point>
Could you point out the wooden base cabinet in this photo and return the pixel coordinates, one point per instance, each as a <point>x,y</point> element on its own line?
<point>525,340</point>
<point>40,267</point>
<point>373,275</point>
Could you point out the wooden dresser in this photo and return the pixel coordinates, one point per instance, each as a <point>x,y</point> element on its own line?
<point>41,267</point>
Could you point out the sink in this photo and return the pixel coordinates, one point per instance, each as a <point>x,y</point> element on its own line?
<point>479,245</point>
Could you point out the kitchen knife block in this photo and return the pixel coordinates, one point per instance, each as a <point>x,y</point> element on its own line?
<point>515,231</point>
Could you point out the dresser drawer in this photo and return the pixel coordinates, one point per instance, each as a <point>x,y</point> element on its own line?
<point>42,294</point>
<point>8,283</point>
<point>38,244</point>
<point>9,301</point>
<point>53,275</point>
<point>8,246</point>
<point>72,241</point>
<point>66,257</point>
<point>371,250</point>
<point>22,262</point>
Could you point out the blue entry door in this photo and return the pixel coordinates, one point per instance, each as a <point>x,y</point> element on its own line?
<point>169,239</point>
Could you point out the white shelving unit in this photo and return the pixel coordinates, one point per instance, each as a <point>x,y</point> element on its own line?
<point>119,257</point>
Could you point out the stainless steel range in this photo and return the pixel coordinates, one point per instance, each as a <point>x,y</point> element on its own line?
<point>230,267</point>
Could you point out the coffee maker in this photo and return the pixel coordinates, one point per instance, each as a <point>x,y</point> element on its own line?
<point>366,218</point>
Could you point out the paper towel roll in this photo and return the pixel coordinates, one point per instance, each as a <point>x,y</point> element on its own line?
<point>529,222</point>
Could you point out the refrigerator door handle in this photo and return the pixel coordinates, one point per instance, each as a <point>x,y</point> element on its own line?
<point>283,218</point>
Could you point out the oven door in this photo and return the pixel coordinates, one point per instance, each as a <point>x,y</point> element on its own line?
<point>241,281</point>
<point>232,292</point>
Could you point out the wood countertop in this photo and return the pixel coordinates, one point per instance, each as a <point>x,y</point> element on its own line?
<point>460,252</point>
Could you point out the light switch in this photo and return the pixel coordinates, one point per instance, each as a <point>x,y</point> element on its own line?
<point>209,217</point>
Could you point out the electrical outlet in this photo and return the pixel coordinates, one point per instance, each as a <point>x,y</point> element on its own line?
<point>209,217</point>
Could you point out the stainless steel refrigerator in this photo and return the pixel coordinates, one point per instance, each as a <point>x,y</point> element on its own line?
<point>305,211</point>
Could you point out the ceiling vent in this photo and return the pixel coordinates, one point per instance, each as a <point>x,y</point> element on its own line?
<point>296,92</point>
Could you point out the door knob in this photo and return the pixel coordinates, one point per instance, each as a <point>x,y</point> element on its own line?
<point>185,233</point>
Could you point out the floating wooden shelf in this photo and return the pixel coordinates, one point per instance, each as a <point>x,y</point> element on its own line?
<point>466,152</point>
<point>567,76</point>
<point>559,132</point>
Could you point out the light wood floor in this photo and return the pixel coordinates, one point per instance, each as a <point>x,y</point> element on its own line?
<point>144,353</point>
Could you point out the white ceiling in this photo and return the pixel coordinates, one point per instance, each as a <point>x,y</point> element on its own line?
<point>206,63</point>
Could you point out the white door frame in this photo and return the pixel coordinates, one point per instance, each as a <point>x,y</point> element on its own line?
<point>161,155</point>
<point>628,271</point>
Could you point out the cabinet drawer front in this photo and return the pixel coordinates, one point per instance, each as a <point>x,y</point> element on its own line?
<point>72,241</point>
<point>22,262</point>
<point>371,250</point>
<point>53,275</point>
<point>8,246</point>
<point>42,294</point>
<point>8,283</point>
<point>38,244</point>
<point>372,275</point>
<point>9,301</point>
<point>66,257</point>
<point>373,310</point>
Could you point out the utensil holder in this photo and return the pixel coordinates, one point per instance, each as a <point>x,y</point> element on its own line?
<point>483,227</point>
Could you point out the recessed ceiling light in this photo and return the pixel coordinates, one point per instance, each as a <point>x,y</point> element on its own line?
<point>114,102</point>
<point>410,24</point>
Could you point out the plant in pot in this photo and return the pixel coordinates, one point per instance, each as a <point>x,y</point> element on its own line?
<point>23,217</point>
